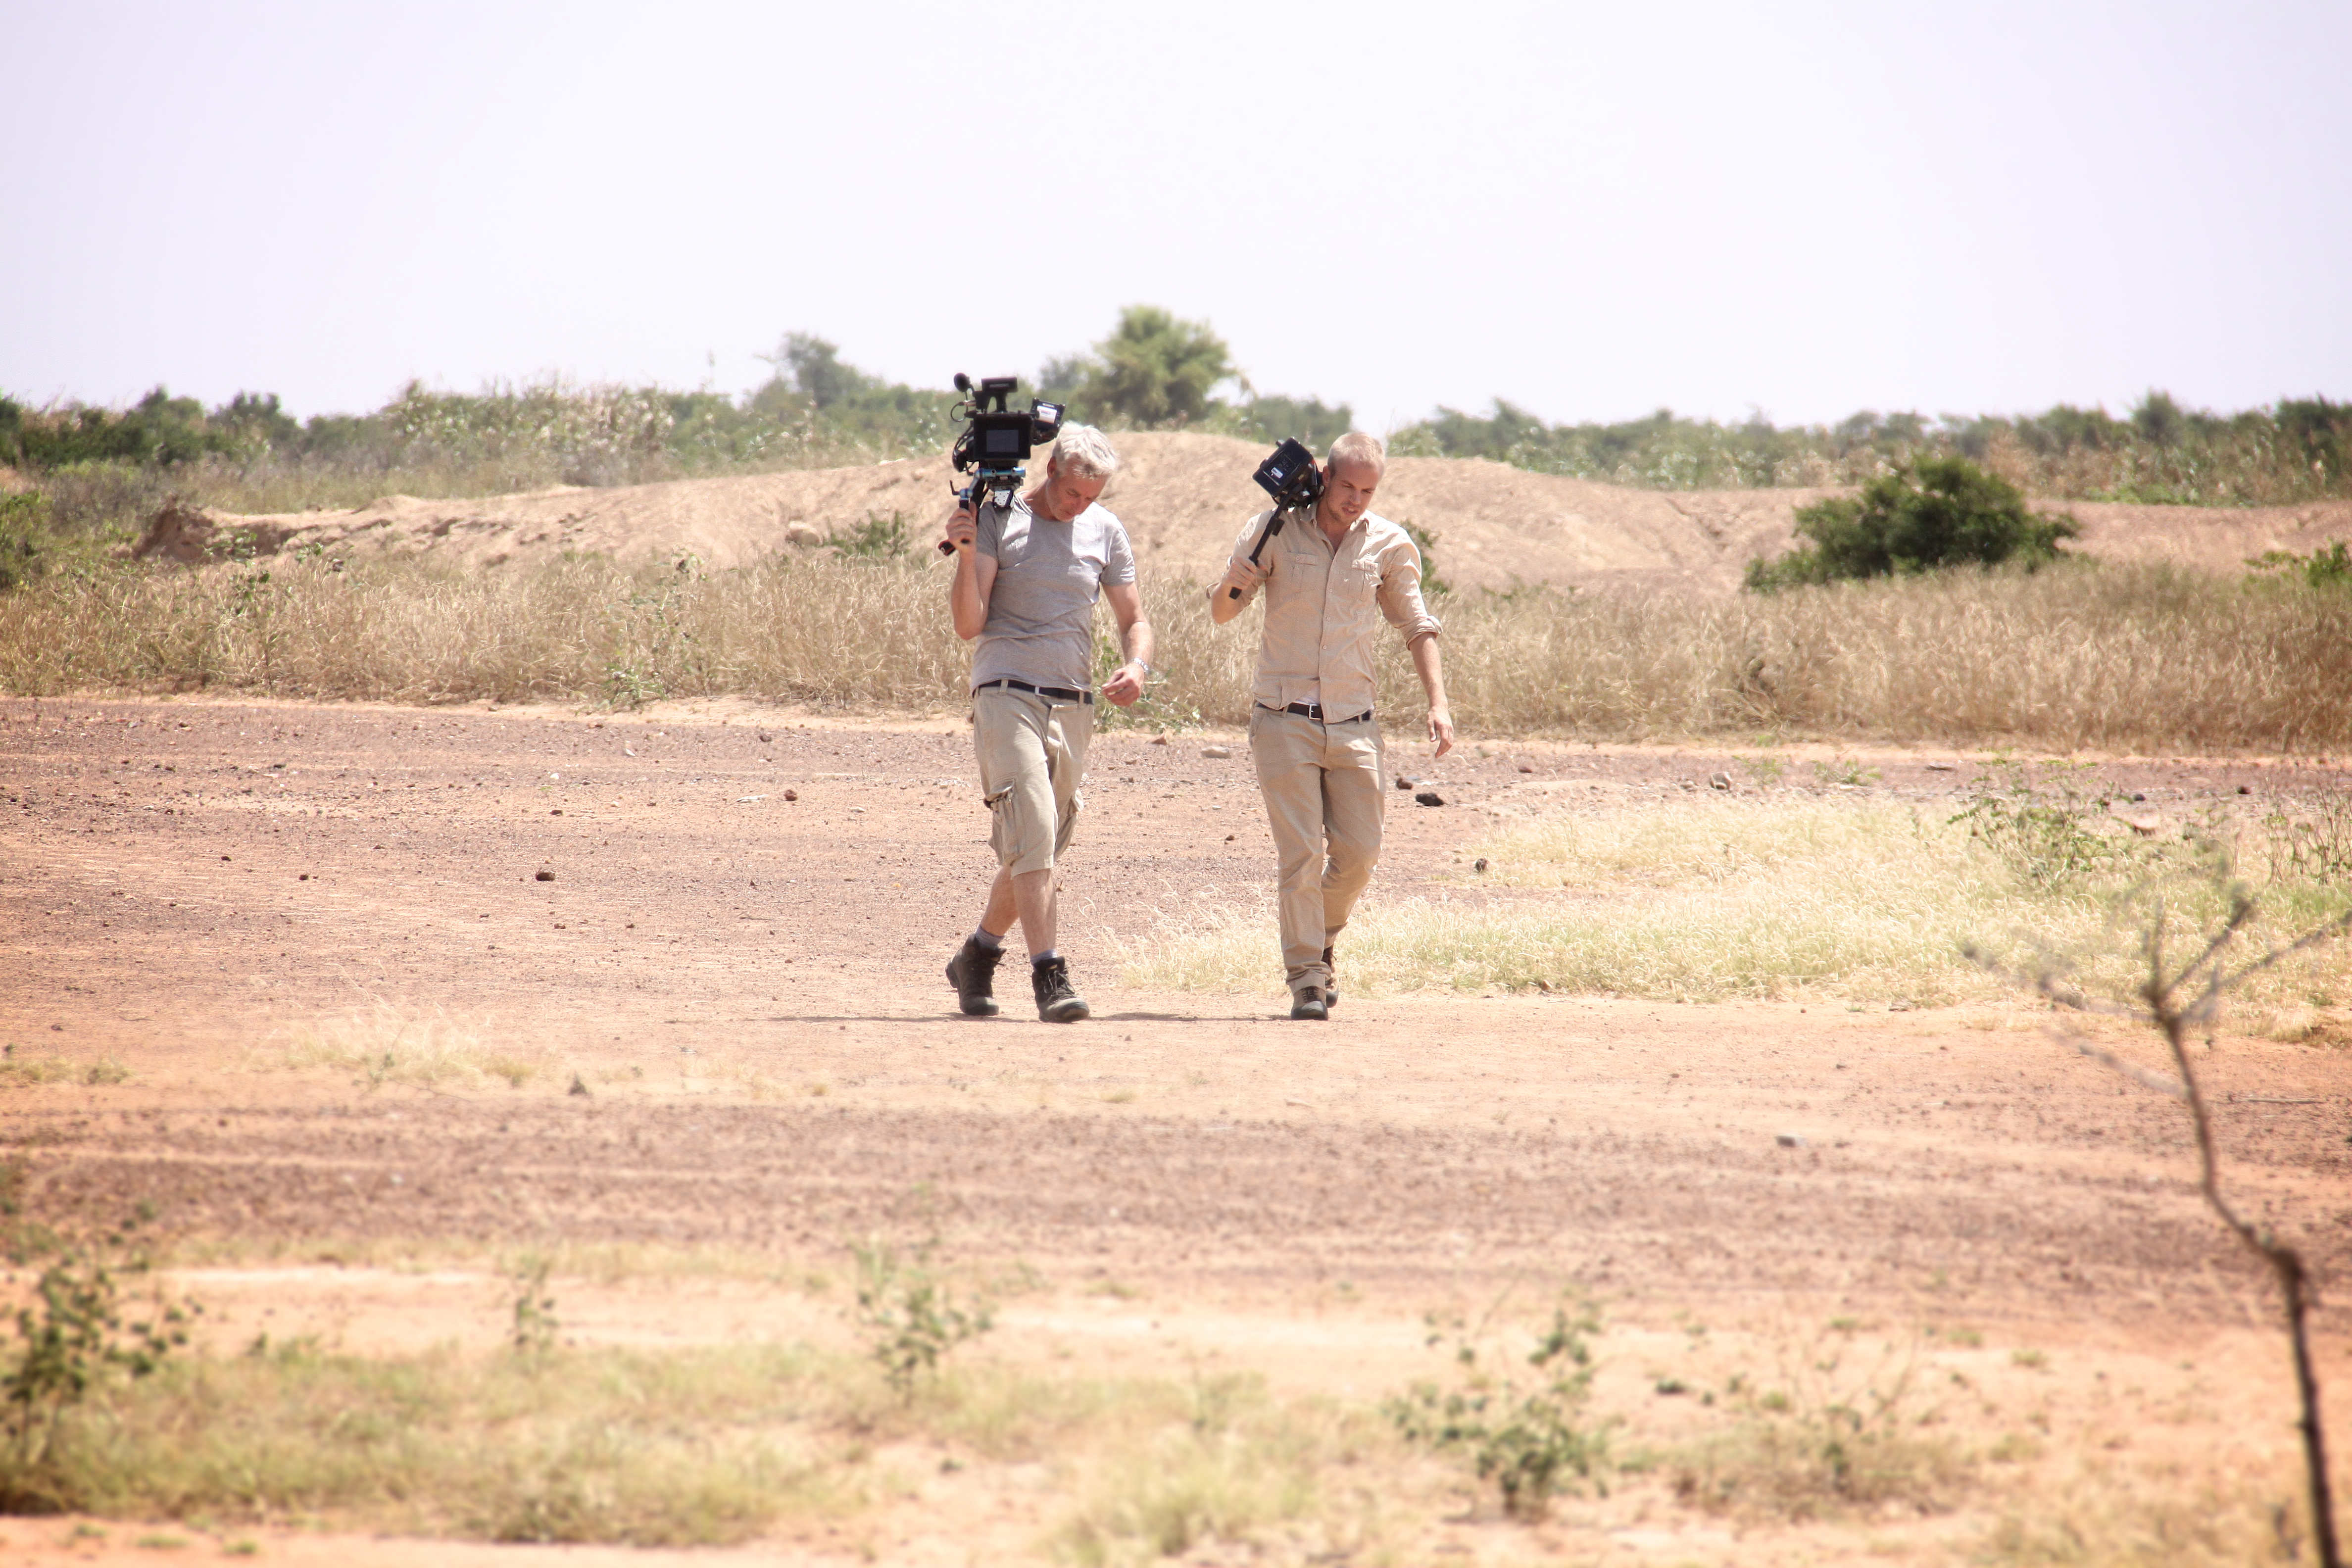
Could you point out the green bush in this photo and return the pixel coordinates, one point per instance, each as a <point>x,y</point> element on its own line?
<point>2330,566</point>
<point>1526,1436</point>
<point>1271,419</point>
<point>23,534</point>
<point>1935,512</point>
<point>2161,453</point>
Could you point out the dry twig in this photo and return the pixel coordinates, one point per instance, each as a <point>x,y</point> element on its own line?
<point>2204,980</point>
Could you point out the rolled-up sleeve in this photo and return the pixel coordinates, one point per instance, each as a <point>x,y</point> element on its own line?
<point>1399,593</point>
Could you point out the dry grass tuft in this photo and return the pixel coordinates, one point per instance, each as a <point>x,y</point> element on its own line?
<point>2106,1515</point>
<point>1708,899</point>
<point>2084,657</point>
<point>386,1044</point>
<point>2080,657</point>
<point>683,1448</point>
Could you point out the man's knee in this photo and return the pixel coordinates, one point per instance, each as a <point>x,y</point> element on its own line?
<point>1353,853</point>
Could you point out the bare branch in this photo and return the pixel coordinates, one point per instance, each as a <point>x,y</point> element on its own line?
<point>2241,909</point>
<point>2144,1077</point>
<point>2312,938</point>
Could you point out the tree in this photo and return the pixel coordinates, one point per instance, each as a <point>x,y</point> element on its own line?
<point>817,370</point>
<point>1153,371</point>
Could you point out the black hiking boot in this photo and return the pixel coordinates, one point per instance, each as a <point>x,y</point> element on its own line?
<point>1307,1002</point>
<point>1056,1002</point>
<point>1331,982</point>
<point>972,972</point>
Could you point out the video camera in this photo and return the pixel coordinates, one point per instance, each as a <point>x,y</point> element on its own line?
<point>1291,478</point>
<point>996,440</point>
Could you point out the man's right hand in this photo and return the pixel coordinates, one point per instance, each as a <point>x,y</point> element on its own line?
<point>961,527</point>
<point>1246,574</point>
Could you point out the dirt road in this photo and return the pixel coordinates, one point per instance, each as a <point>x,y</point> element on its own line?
<point>746,985</point>
<point>721,1024</point>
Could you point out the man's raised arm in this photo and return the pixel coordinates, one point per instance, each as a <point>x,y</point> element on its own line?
<point>975,574</point>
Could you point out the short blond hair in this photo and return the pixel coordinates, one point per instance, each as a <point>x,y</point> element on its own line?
<point>1086,452</point>
<point>1355,447</point>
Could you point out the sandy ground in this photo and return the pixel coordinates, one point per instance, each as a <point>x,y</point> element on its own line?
<point>1184,497</point>
<point>738,961</point>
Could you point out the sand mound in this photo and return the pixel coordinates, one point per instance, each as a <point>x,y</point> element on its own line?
<point>1185,498</point>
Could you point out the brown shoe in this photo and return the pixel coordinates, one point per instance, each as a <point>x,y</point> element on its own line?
<point>1307,1002</point>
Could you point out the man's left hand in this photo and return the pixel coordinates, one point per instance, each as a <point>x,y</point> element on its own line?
<point>1441,730</point>
<point>1125,686</point>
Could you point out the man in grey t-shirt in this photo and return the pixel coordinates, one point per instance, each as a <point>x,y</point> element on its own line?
<point>1027,579</point>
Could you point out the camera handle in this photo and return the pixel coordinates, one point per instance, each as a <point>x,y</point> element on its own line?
<point>1273,526</point>
<point>1000,483</point>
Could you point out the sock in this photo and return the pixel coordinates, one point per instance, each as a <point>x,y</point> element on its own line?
<point>1045,957</point>
<point>988,939</point>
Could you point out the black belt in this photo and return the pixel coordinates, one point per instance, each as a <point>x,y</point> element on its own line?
<point>1058,693</point>
<point>1315,710</point>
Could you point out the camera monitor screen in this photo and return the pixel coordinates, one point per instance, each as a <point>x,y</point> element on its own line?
<point>1003,443</point>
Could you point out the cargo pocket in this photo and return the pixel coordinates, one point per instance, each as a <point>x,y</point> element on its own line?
<point>1002,831</point>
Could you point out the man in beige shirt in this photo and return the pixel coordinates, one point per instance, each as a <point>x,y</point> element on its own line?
<point>1330,577</point>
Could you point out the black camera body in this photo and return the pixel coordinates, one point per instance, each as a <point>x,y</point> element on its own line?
<point>1290,477</point>
<point>996,440</point>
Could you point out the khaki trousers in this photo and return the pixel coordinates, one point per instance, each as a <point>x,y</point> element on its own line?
<point>1325,790</point>
<point>1033,754</point>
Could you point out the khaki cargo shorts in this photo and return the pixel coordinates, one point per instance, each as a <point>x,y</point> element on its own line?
<point>1032,752</point>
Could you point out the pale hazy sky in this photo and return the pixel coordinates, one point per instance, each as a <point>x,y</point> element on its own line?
<point>1592,211</point>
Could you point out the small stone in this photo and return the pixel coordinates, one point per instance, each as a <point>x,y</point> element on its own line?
<point>1403,783</point>
<point>1216,751</point>
<point>1159,740</point>
<point>579,1085</point>
<point>1939,767</point>
<point>765,737</point>
<point>1526,767</point>
<point>1479,864</point>
<point>1429,797</point>
<point>1718,781</point>
<point>1229,838</point>
<point>802,533</point>
<point>792,794</point>
<point>2243,789</point>
<point>1788,1140</point>
<point>544,876</point>
<point>557,812</point>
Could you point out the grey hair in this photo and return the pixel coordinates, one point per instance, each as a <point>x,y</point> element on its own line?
<point>1087,452</point>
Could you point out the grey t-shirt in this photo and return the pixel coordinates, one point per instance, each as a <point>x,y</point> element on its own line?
<point>1041,609</point>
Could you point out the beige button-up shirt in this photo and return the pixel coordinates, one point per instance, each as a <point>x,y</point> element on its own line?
<point>1324,608</point>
